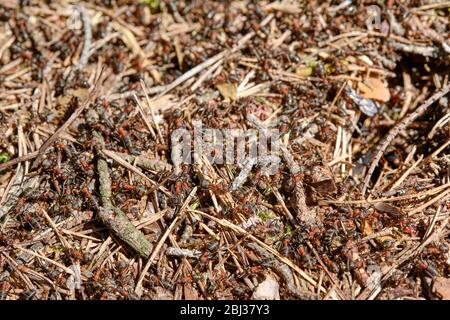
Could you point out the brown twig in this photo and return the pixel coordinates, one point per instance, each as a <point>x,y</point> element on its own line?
<point>115,219</point>
<point>91,97</point>
<point>18,160</point>
<point>283,270</point>
<point>397,129</point>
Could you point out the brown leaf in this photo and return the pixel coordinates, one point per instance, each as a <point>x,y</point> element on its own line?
<point>63,100</point>
<point>366,227</point>
<point>389,209</point>
<point>322,180</point>
<point>129,39</point>
<point>375,89</point>
<point>441,287</point>
<point>304,71</point>
<point>227,90</point>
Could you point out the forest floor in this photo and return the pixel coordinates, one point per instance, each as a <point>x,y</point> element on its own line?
<point>350,199</point>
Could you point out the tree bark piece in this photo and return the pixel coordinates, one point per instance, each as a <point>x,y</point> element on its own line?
<point>115,219</point>
<point>304,214</point>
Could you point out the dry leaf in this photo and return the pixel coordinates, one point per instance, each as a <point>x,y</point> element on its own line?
<point>322,180</point>
<point>284,6</point>
<point>162,294</point>
<point>80,93</point>
<point>156,75</point>
<point>143,204</point>
<point>441,287</point>
<point>375,89</point>
<point>179,51</point>
<point>227,90</point>
<point>366,227</point>
<point>389,209</point>
<point>384,239</point>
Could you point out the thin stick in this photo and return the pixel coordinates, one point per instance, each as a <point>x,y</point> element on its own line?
<point>144,116</point>
<point>17,269</point>
<point>438,5</point>
<point>242,231</point>
<point>143,86</point>
<point>205,75</point>
<point>399,198</point>
<point>55,228</point>
<point>405,257</point>
<point>429,203</point>
<point>397,129</point>
<point>91,97</point>
<point>304,214</point>
<point>17,160</point>
<point>138,288</point>
<point>59,265</point>
<point>132,168</point>
<point>406,174</point>
<point>87,38</point>
<point>332,277</point>
<point>129,94</point>
<point>142,161</point>
<point>199,68</point>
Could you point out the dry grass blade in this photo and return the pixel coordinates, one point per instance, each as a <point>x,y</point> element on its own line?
<point>18,160</point>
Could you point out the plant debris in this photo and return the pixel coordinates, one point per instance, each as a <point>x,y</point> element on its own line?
<point>121,175</point>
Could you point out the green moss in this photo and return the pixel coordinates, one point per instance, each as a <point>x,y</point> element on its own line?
<point>288,229</point>
<point>154,4</point>
<point>329,68</point>
<point>312,63</point>
<point>194,205</point>
<point>264,215</point>
<point>4,157</point>
<point>267,191</point>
